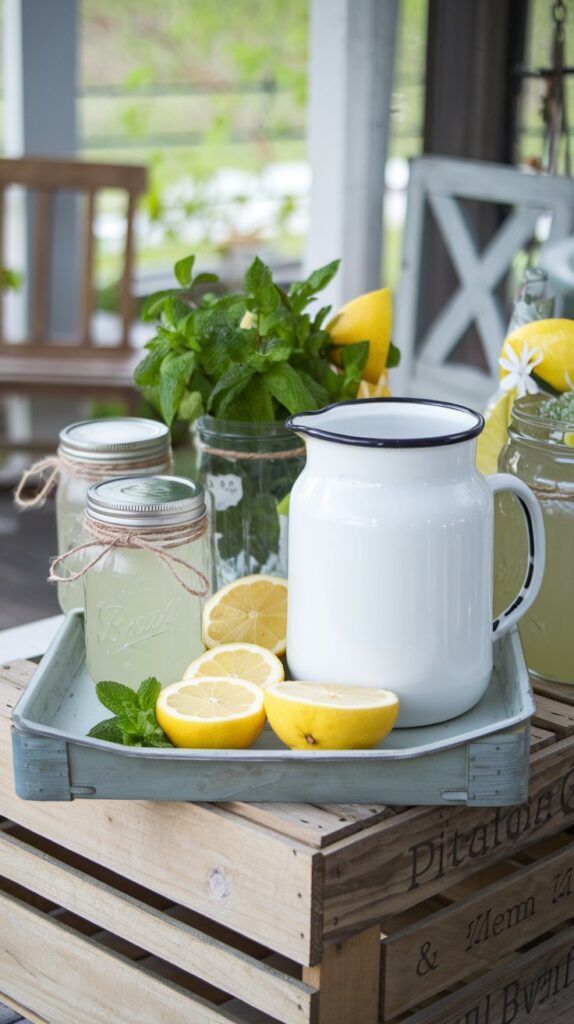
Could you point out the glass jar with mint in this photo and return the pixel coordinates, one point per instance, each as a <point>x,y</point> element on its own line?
<point>540,450</point>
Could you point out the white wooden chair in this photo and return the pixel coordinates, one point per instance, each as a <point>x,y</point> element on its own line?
<point>442,185</point>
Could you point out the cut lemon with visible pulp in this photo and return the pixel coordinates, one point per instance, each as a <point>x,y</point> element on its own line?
<point>238,661</point>
<point>251,610</point>
<point>211,712</point>
<point>321,716</point>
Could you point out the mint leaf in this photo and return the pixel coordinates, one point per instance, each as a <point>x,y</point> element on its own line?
<point>148,693</point>
<point>107,730</point>
<point>175,373</point>
<point>146,373</point>
<point>183,270</point>
<point>320,278</point>
<point>353,359</point>
<point>288,388</point>
<point>173,312</point>
<point>153,304</point>
<point>253,403</point>
<point>234,377</point>
<point>394,356</point>
<point>190,407</point>
<point>258,284</point>
<point>205,278</point>
<point>116,697</point>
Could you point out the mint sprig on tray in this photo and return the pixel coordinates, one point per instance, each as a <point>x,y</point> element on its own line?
<point>134,723</point>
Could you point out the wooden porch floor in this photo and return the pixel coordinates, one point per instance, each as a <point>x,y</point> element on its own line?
<point>27,540</point>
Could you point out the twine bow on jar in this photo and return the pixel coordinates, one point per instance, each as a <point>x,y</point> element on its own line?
<point>157,540</point>
<point>49,470</point>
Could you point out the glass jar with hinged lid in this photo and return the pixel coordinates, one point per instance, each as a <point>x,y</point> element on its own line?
<point>145,567</point>
<point>540,450</point>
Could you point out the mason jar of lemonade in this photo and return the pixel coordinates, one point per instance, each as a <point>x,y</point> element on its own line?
<point>146,574</point>
<point>94,450</point>
<point>540,450</point>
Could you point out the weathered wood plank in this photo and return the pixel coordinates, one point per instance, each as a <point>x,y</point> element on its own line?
<point>68,977</point>
<point>477,931</point>
<point>316,824</point>
<point>554,716</point>
<point>540,738</point>
<point>401,861</point>
<point>30,1018</point>
<point>348,979</point>
<point>532,988</point>
<point>150,929</point>
<point>556,691</point>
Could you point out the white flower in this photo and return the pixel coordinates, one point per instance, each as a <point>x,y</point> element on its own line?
<point>519,369</point>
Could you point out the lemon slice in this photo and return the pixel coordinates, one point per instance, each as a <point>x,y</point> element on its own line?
<point>380,389</point>
<point>251,610</point>
<point>369,317</point>
<point>249,662</point>
<point>495,434</point>
<point>321,716</point>
<point>211,712</point>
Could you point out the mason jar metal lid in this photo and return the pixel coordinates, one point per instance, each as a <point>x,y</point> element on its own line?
<point>146,501</point>
<point>116,439</point>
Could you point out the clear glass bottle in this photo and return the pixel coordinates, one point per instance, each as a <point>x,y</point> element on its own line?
<point>140,620</point>
<point>95,450</point>
<point>541,452</point>
<point>247,470</point>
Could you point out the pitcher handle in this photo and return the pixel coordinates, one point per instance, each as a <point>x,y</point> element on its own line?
<point>536,549</point>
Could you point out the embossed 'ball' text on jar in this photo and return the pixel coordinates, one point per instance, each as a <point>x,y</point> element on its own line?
<point>147,577</point>
<point>540,451</point>
<point>95,450</point>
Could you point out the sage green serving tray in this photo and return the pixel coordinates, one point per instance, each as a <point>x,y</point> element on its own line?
<point>478,759</point>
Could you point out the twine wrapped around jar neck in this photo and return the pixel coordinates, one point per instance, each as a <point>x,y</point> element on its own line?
<point>49,470</point>
<point>228,453</point>
<point>157,540</point>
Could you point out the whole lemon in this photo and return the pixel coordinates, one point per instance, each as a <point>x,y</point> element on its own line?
<point>369,317</point>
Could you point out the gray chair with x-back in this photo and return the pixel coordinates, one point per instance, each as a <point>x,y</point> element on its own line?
<point>443,186</point>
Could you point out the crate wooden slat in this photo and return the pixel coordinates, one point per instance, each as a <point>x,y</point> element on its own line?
<point>476,931</point>
<point>164,936</point>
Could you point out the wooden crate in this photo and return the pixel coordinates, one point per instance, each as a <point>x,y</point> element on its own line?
<point>293,913</point>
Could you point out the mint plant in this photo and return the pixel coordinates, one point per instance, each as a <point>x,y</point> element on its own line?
<point>134,723</point>
<point>258,356</point>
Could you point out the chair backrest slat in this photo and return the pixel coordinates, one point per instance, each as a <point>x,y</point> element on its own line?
<point>2,254</point>
<point>126,303</point>
<point>88,267</point>
<point>41,263</point>
<point>45,178</point>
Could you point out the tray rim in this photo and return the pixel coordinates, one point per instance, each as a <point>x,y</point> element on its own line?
<point>28,727</point>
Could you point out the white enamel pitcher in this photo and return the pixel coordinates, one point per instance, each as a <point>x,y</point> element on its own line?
<point>390,554</point>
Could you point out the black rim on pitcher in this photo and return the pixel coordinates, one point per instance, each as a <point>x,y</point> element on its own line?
<point>389,442</point>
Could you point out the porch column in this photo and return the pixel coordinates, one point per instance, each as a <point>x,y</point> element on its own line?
<point>352,45</point>
<point>40,86</point>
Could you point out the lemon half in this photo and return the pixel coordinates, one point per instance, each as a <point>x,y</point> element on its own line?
<point>249,662</point>
<point>211,712</point>
<point>250,610</point>
<point>321,716</point>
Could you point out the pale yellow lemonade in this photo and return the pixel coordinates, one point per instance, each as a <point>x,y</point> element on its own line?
<point>141,620</point>
<point>70,504</point>
<point>539,452</point>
